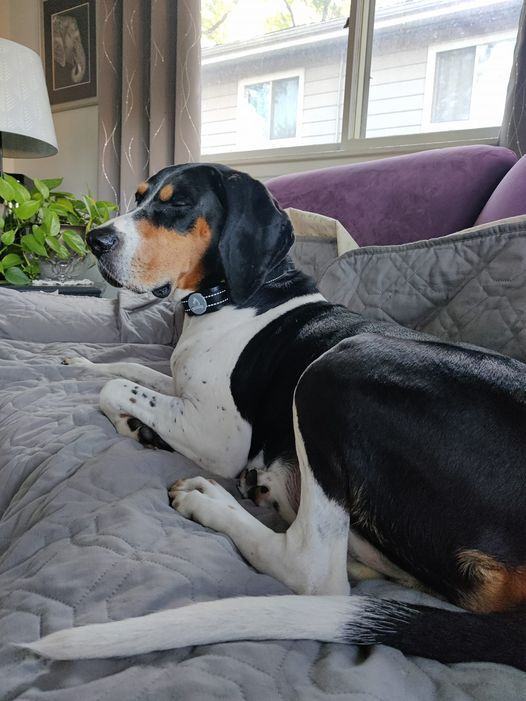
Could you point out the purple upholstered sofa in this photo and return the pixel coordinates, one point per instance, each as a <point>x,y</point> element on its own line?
<point>414,197</point>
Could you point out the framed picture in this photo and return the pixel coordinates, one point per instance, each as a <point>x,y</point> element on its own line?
<point>70,49</point>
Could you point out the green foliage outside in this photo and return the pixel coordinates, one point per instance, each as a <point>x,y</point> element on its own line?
<point>283,14</point>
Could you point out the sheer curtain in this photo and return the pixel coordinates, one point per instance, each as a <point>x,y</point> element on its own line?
<point>513,131</point>
<point>149,91</point>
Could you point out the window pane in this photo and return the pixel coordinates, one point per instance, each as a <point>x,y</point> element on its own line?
<point>284,108</point>
<point>255,112</point>
<point>273,73</point>
<point>453,83</point>
<point>441,65</point>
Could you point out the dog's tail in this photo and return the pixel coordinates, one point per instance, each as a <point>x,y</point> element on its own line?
<point>448,636</point>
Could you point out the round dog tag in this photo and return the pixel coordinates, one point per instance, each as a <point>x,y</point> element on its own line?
<point>197,304</point>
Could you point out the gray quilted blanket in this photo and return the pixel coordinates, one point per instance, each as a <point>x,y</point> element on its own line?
<point>86,531</point>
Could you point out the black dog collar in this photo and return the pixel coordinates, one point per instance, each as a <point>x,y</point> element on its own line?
<point>208,299</point>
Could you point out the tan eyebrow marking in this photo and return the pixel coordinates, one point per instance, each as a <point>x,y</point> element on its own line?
<point>142,188</point>
<point>166,192</point>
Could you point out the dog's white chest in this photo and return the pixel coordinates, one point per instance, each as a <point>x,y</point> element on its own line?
<point>202,365</point>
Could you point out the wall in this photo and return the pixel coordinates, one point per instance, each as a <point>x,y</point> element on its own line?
<point>77,130</point>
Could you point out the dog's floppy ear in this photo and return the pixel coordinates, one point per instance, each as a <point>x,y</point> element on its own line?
<point>256,234</point>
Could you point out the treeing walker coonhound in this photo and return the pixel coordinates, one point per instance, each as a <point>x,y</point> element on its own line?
<point>388,451</point>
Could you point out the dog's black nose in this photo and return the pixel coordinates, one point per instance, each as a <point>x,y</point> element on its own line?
<point>102,240</point>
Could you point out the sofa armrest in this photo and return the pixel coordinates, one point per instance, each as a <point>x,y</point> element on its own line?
<point>466,287</point>
<point>47,317</point>
<point>402,199</point>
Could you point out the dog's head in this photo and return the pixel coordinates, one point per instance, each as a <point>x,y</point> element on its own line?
<point>194,226</point>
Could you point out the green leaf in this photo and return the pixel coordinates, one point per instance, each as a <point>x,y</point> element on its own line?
<point>103,211</point>
<point>51,183</point>
<point>30,243</point>
<point>21,193</point>
<point>10,260</point>
<point>65,203</point>
<point>110,205</point>
<point>2,223</point>
<point>42,188</point>
<point>57,247</point>
<point>74,241</point>
<point>89,203</point>
<point>15,276</point>
<point>27,209</point>
<point>6,191</point>
<point>75,220</point>
<point>51,222</point>
<point>58,209</point>
<point>39,233</point>
<point>8,237</point>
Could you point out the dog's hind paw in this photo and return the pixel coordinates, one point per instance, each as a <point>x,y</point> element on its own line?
<point>272,488</point>
<point>256,485</point>
<point>143,434</point>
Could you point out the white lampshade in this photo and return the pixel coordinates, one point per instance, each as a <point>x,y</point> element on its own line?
<point>26,123</point>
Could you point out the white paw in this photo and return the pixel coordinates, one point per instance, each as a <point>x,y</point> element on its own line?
<point>78,361</point>
<point>203,500</point>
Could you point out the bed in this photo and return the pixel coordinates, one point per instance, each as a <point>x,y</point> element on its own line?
<point>86,531</point>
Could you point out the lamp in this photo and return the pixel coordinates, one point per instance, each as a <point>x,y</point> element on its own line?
<point>26,124</point>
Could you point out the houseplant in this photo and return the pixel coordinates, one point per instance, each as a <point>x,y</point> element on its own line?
<point>43,225</point>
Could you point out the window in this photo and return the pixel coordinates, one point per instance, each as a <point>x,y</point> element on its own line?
<point>269,111</point>
<point>453,85</point>
<point>439,66</point>
<point>273,73</point>
<point>287,74</point>
<point>467,83</point>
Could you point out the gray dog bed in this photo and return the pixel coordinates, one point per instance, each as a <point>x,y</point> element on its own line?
<point>86,531</point>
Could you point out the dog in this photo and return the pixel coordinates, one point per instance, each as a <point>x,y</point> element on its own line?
<point>381,446</point>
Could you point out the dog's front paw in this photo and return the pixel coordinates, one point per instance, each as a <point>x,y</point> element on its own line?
<point>77,360</point>
<point>203,500</point>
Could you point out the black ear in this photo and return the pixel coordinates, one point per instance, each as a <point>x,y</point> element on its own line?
<point>256,235</point>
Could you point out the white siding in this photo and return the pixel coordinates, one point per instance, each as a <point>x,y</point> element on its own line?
<point>396,97</point>
<point>396,93</point>
<point>321,107</point>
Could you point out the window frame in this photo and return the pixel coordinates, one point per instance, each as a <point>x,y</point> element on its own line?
<point>354,145</point>
<point>291,141</point>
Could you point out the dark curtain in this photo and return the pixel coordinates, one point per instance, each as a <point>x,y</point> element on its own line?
<point>149,99</point>
<point>513,131</point>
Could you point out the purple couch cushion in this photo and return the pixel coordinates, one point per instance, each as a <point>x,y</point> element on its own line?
<point>509,198</point>
<point>401,199</point>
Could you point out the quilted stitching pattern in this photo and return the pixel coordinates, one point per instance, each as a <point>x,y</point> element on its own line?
<point>464,287</point>
<point>87,535</point>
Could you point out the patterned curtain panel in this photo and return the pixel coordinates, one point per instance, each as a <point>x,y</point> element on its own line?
<point>513,131</point>
<point>149,99</point>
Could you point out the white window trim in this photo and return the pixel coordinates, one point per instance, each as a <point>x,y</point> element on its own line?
<point>432,52</point>
<point>354,145</point>
<point>273,144</point>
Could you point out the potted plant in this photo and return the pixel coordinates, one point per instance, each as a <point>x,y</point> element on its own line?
<point>44,227</point>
